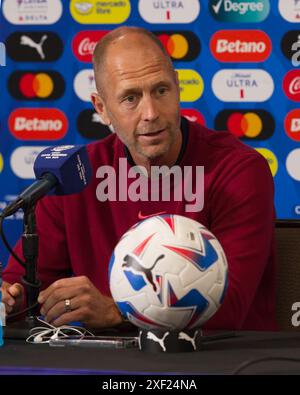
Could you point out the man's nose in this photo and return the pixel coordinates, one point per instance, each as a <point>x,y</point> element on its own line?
<point>149,109</point>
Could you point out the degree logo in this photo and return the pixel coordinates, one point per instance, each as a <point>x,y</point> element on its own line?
<point>293,164</point>
<point>100,12</point>
<point>183,45</point>
<point>38,124</point>
<point>193,115</point>
<point>191,85</point>
<point>290,46</point>
<point>242,85</point>
<point>292,124</point>
<point>165,11</point>
<point>246,124</point>
<point>32,12</point>
<point>271,159</point>
<point>90,125</point>
<point>290,10</point>
<point>32,85</point>
<point>84,84</point>
<point>84,43</point>
<point>240,11</point>
<point>22,160</point>
<point>240,46</point>
<point>34,46</point>
<point>291,85</point>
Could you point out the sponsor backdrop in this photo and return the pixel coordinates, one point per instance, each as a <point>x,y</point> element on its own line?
<point>238,63</point>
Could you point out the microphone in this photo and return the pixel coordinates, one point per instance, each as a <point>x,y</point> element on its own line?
<point>61,170</point>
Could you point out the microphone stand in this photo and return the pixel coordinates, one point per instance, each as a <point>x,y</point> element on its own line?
<point>30,240</point>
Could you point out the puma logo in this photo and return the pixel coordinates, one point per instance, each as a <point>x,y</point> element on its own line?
<point>25,40</point>
<point>133,262</point>
<point>156,339</point>
<point>185,336</point>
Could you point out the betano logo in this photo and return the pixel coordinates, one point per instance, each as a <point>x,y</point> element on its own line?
<point>84,43</point>
<point>100,12</point>
<point>246,124</point>
<point>293,164</point>
<point>291,85</point>
<point>290,10</point>
<point>32,12</point>
<point>242,85</point>
<point>191,85</point>
<point>43,85</point>
<point>240,46</point>
<point>292,124</point>
<point>38,124</point>
<point>181,45</point>
<point>169,11</point>
<point>193,115</point>
<point>22,160</point>
<point>240,11</point>
<point>271,159</point>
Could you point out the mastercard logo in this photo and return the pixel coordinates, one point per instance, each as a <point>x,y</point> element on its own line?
<point>271,159</point>
<point>246,124</point>
<point>43,85</point>
<point>183,45</point>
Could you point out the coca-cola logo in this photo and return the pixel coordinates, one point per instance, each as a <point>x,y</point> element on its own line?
<point>291,85</point>
<point>84,43</point>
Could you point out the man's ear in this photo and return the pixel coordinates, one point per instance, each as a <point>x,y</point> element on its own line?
<point>100,107</point>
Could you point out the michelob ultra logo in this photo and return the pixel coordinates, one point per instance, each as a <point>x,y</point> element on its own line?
<point>290,10</point>
<point>243,85</point>
<point>32,12</point>
<point>38,124</point>
<point>181,45</point>
<point>240,45</point>
<point>239,11</point>
<point>191,85</point>
<point>271,159</point>
<point>165,11</point>
<point>100,12</point>
<point>293,164</point>
<point>246,124</point>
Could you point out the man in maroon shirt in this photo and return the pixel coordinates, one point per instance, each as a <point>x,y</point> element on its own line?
<point>138,96</point>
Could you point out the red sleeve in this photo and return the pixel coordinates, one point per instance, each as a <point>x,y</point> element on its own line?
<point>53,261</point>
<point>243,222</point>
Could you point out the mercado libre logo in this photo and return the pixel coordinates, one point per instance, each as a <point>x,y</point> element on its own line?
<point>1,163</point>
<point>271,159</point>
<point>84,43</point>
<point>240,46</point>
<point>191,85</point>
<point>239,11</point>
<point>42,85</point>
<point>165,11</point>
<point>246,124</point>
<point>180,45</point>
<point>100,12</point>
<point>32,12</point>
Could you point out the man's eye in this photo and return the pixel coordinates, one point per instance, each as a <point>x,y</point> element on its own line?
<point>130,99</point>
<point>162,90</point>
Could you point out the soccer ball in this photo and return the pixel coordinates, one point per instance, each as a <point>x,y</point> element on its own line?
<point>168,272</point>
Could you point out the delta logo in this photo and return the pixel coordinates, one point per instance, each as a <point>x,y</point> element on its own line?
<point>193,115</point>
<point>100,12</point>
<point>191,85</point>
<point>239,11</point>
<point>84,43</point>
<point>41,46</point>
<point>290,46</point>
<point>292,124</point>
<point>243,85</point>
<point>22,160</point>
<point>240,46</point>
<point>290,10</point>
<point>169,11</point>
<point>38,124</point>
<point>291,85</point>
<point>246,124</point>
<point>32,12</point>
<point>182,45</point>
<point>32,85</point>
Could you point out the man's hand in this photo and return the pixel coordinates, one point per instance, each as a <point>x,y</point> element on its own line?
<point>87,304</point>
<point>12,296</point>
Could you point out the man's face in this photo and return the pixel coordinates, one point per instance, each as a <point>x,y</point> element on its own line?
<point>140,97</point>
